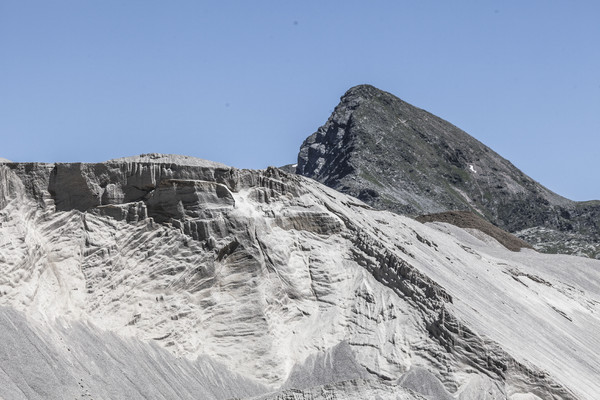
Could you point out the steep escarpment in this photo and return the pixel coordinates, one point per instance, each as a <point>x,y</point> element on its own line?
<point>286,283</point>
<point>397,157</point>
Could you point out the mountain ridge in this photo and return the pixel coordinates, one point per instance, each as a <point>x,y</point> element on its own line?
<point>398,157</point>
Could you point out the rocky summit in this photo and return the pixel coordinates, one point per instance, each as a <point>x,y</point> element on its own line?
<point>169,277</point>
<point>397,157</point>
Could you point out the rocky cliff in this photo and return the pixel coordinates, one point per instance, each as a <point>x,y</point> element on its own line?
<point>397,157</point>
<point>217,283</point>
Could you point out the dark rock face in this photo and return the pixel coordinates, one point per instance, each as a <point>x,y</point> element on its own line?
<point>85,186</point>
<point>397,157</point>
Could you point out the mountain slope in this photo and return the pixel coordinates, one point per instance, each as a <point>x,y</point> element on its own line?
<point>70,359</point>
<point>397,157</point>
<point>285,282</point>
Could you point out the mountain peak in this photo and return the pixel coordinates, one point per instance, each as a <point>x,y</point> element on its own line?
<point>366,93</point>
<point>401,158</point>
<point>365,90</point>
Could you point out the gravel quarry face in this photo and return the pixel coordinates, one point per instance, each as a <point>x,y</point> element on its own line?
<point>167,277</point>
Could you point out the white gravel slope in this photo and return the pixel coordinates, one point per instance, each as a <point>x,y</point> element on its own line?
<point>295,269</point>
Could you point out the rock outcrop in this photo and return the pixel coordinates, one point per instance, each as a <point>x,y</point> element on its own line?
<point>397,157</point>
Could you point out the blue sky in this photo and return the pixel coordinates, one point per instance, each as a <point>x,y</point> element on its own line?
<point>244,83</point>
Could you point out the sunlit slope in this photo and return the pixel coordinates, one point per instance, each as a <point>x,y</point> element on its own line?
<point>289,283</point>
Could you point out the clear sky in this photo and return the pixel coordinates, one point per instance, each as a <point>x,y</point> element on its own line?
<point>245,82</point>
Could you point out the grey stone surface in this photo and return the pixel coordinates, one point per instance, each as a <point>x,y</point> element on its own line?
<point>397,157</point>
